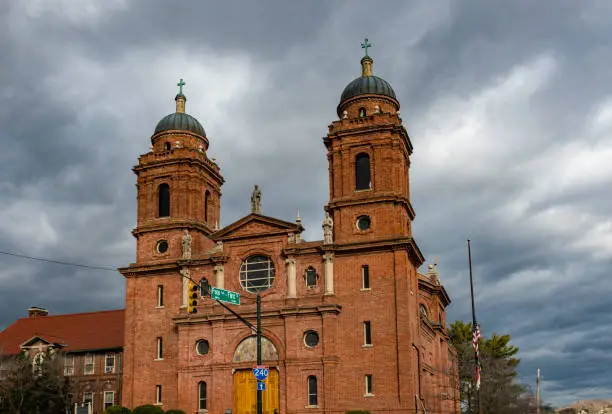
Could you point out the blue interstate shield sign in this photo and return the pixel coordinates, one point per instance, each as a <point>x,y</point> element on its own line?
<point>260,372</point>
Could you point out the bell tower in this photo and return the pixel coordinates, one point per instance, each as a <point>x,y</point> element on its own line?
<point>368,152</point>
<point>179,188</point>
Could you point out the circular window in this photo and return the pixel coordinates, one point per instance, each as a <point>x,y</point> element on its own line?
<point>363,223</point>
<point>311,339</point>
<point>202,347</point>
<point>256,273</point>
<point>162,246</point>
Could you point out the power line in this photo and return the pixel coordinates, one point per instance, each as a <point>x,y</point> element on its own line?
<point>40,259</point>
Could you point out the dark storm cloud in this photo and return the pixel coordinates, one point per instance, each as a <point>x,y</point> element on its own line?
<point>503,87</point>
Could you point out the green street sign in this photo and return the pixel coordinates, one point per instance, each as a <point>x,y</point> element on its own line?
<point>225,295</point>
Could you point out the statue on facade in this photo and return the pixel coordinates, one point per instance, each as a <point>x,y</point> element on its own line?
<point>256,200</point>
<point>328,226</point>
<point>186,245</point>
<point>218,246</point>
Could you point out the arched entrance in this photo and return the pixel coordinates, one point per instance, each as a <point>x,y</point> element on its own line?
<point>245,384</point>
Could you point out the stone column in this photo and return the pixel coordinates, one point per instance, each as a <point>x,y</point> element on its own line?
<point>291,278</point>
<point>328,269</point>
<point>219,276</point>
<point>185,274</point>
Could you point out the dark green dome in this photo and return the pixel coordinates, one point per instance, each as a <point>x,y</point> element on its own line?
<point>364,85</point>
<point>179,121</point>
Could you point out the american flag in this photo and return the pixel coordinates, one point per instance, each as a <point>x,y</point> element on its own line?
<point>475,339</point>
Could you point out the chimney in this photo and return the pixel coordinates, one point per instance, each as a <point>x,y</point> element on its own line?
<point>36,312</point>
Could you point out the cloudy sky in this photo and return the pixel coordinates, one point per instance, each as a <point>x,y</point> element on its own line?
<point>508,104</point>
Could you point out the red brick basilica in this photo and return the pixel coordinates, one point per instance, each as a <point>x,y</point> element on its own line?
<point>348,322</point>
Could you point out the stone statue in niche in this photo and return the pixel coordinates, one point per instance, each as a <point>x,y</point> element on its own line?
<point>328,226</point>
<point>256,200</point>
<point>218,246</point>
<point>186,245</point>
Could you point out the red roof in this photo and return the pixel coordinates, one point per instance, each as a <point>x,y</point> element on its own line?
<point>76,331</point>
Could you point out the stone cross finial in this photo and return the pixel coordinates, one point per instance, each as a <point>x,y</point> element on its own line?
<point>365,45</point>
<point>182,83</point>
<point>256,200</point>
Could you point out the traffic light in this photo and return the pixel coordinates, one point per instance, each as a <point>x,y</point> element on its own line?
<point>192,301</point>
<point>204,287</point>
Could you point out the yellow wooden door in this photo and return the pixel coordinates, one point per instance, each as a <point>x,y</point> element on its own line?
<point>245,393</point>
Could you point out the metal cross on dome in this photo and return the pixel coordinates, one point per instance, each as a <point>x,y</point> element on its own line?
<point>365,45</point>
<point>181,84</point>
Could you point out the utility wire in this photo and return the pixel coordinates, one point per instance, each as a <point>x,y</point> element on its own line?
<point>40,259</point>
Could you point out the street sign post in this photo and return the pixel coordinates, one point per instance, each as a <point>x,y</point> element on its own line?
<point>261,372</point>
<point>261,386</point>
<point>225,295</point>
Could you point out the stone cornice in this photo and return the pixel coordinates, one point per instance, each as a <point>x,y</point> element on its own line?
<point>368,125</point>
<point>373,197</point>
<point>139,270</point>
<point>251,313</point>
<point>169,223</point>
<point>180,156</point>
<point>434,289</point>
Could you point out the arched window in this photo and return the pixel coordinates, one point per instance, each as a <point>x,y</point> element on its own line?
<point>362,112</point>
<point>362,172</point>
<point>312,391</point>
<point>202,395</point>
<point>206,205</point>
<point>167,146</point>
<point>163,193</point>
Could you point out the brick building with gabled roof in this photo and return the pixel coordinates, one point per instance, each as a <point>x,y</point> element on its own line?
<point>90,346</point>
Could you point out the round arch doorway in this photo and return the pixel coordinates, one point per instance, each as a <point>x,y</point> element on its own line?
<point>245,384</point>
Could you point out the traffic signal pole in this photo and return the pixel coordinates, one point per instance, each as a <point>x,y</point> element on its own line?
<point>259,399</point>
<point>257,330</point>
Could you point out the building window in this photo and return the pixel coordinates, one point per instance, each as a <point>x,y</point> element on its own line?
<point>367,333</point>
<point>109,363</point>
<point>362,172</point>
<point>362,112</point>
<point>312,391</point>
<point>206,205</point>
<point>365,277</point>
<point>162,246</point>
<point>202,347</point>
<point>311,278</point>
<point>88,398</point>
<point>163,193</point>
<point>256,273</point>
<point>109,399</point>
<point>167,146</point>
<point>311,339</point>
<point>202,395</point>
<point>160,296</point>
<point>88,366</point>
<point>158,394</point>
<point>68,365</point>
<point>368,385</point>
<point>204,287</point>
<point>363,223</point>
<point>159,348</point>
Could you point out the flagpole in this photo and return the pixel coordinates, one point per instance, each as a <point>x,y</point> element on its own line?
<point>476,331</point>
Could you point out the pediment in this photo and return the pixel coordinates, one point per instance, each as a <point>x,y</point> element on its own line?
<point>256,225</point>
<point>35,341</point>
